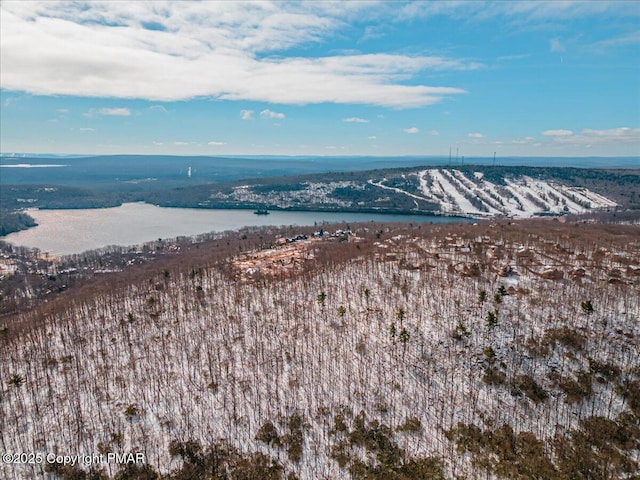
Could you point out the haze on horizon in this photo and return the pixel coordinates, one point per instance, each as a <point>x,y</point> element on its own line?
<point>321,78</point>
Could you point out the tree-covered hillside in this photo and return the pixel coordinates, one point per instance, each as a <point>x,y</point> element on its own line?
<point>496,350</point>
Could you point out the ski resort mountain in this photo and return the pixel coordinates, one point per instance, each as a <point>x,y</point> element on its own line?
<point>478,192</point>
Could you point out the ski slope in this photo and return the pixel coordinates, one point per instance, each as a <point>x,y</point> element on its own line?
<point>519,197</point>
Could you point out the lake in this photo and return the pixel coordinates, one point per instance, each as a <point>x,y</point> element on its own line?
<point>64,232</point>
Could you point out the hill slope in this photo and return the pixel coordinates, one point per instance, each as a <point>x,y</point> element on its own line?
<point>495,350</point>
<point>476,191</point>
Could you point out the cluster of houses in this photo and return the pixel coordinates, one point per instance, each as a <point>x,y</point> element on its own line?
<point>319,234</point>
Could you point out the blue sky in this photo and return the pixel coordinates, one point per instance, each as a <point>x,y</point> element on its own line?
<point>321,78</point>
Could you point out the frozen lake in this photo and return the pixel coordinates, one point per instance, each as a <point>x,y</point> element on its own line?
<point>62,232</point>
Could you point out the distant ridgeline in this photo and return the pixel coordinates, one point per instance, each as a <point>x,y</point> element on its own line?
<point>464,190</point>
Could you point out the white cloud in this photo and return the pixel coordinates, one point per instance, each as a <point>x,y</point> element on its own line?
<point>118,112</point>
<point>588,136</point>
<point>557,133</point>
<point>158,108</point>
<point>216,144</point>
<point>51,48</point>
<point>158,143</point>
<point>372,137</point>
<point>246,114</point>
<point>269,114</point>
<point>87,129</point>
<point>181,143</point>
<point>523,141</point>
<point>62,110</point>
<point>355,120</point>
<point>519,12</point>
<point>622,132</point>
<point>435,133</point>
<point>412,130</point>
<point>517,56</point>
<point>555,45</point>
<point>475,135</point>
<point>617,42</point>
<point>371,32</point>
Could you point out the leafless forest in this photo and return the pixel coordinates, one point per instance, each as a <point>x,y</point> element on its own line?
<point>504,349</point>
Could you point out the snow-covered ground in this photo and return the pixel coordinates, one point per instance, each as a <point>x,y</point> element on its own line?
<point>520,197</point>
<point>206,357</point>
